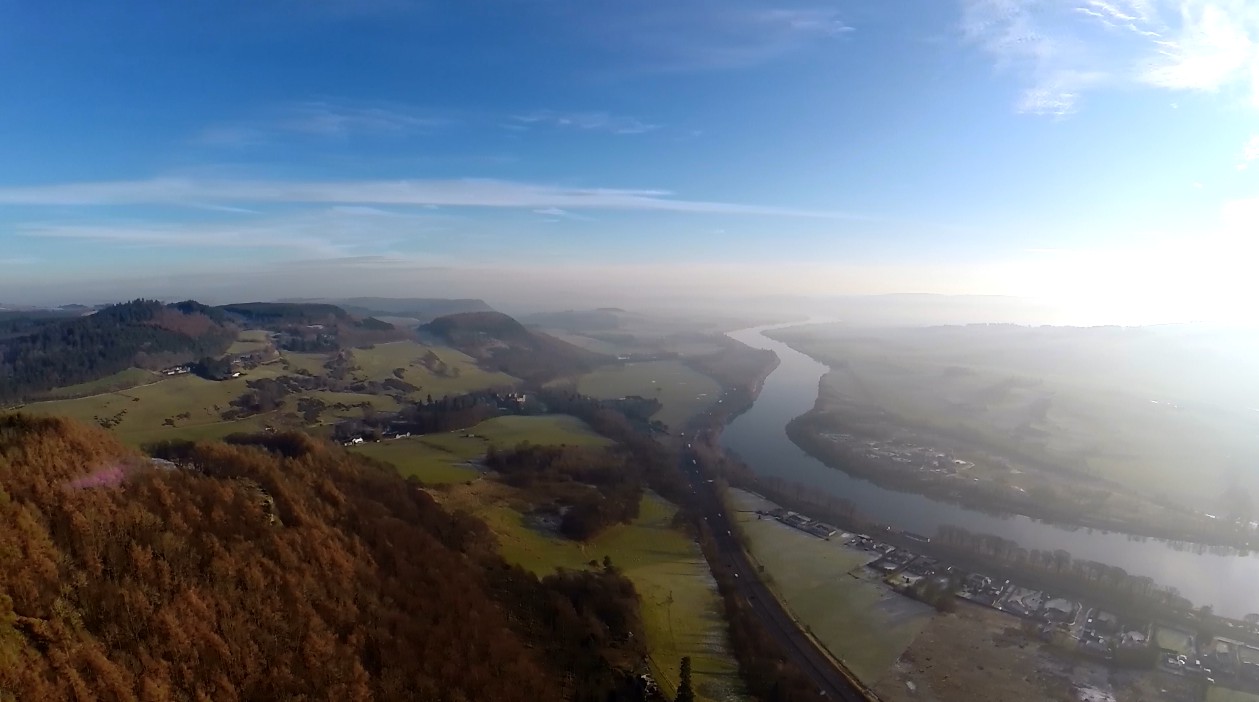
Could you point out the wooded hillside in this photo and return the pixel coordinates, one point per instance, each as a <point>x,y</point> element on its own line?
<point>501,343</point>
<point>275,568</point>
<point>145,333</point>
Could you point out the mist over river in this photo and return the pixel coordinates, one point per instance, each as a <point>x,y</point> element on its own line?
<point>1226,582</point>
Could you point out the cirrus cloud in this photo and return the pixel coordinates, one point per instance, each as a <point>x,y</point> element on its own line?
<point>480,193</point>
<point>1063,49</point>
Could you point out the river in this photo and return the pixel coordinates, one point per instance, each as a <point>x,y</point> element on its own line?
<point>759,437</point>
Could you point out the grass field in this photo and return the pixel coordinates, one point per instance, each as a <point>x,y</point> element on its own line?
<point>861,622</point>
<point>1173,640</point>
<point>682,392</point>
<point>463,375</point>
<point>430,462</point>
<point>551,429</point>
<point>444,458</point>
<point>680,605</point>
<point>382,403</point>
<point>1216,693</point>
<point>118,381</point>
<point>249,341</point>
<point>312,363</point>
<point>142,410</point>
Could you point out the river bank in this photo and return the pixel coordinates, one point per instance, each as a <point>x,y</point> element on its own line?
<point>810,432</point>
<point>1216,577</point>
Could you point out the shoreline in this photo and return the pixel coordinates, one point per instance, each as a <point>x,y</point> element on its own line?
<point>805,437</point>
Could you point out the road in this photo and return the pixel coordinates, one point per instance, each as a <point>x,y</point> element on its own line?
<point>797,646</point>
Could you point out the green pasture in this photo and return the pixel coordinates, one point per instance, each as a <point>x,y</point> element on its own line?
<point>683,392</point>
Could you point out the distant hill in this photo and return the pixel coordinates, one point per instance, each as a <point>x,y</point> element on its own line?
<point>44,352</point>
<point>501,343</point>
<point>313,326</point>
<point>602,319</point>
<point>285,312</point>
<point>421,309</point>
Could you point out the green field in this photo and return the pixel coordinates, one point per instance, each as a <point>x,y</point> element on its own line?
<point>1216,693</point>
<point>1173,639</point>
<point>863,623</point>
<point>462,373</point>
<point>312,363</point>
<point>444,458</point>
<point>682,391</point>
<point>381,403</point>
<point>142,410</point>
<point>427,461</point>
<point>250,341</point>
<point>550,429</point>
<point>680,605</point>
<point>118,381</point>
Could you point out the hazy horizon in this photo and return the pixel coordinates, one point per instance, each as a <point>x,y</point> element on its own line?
<point>1092,157</point>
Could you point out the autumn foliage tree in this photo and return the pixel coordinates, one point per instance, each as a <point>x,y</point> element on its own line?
<point>274,568</point>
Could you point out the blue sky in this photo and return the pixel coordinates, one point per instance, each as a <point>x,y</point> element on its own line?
<point>1072,149</point>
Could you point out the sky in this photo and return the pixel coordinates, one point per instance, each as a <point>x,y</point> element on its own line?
<point>1100,154</point>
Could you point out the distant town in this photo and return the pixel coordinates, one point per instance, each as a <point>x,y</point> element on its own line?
<point>1069,624</point>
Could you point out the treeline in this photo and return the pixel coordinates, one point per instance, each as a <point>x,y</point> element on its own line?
<point>431,416</point>
<point>501,343</point>
<point>769,675</point>
<point>657,461</point>
<point>597,609</point>
<point>141,333</point>
<point>592,488</point>
<point>270,394</point>
<point>1099,579</point>
<point>271,313</point>
<point>736,366</point>
<point>126,581</point>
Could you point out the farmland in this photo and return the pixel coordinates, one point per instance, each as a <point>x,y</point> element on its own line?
<point>250,341</point>
<point>1128,408</point>
<point>683,392</point>
<point>445,458</point>
<point>416,457</point>
<point>138,415</point>
<point>118,381</point>
<point>824,585</point>
<point>1220,694</point>
<point>452,372</point>
<point>680,606</point>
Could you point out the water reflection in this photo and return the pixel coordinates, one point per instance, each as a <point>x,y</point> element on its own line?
<point>1206,575</point>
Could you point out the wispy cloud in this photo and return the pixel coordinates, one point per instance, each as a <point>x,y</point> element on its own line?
<point>453,193</point>
<point>696,35</point>
<point>585,121</point>
<point>321,233</point>
<point>555,214</point>
<point>326,119</point>
<point>1064,49</point>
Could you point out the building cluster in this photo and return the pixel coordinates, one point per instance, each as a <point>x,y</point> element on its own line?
<point>1070,623</point>
<point>803,523</point>
<point>904,452</point>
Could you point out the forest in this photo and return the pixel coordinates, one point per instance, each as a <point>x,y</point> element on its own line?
<point>144,333</point>
<point>276,567</point>
<point>501,343</point>
<point>596,487</point>
<point>617,420</point>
